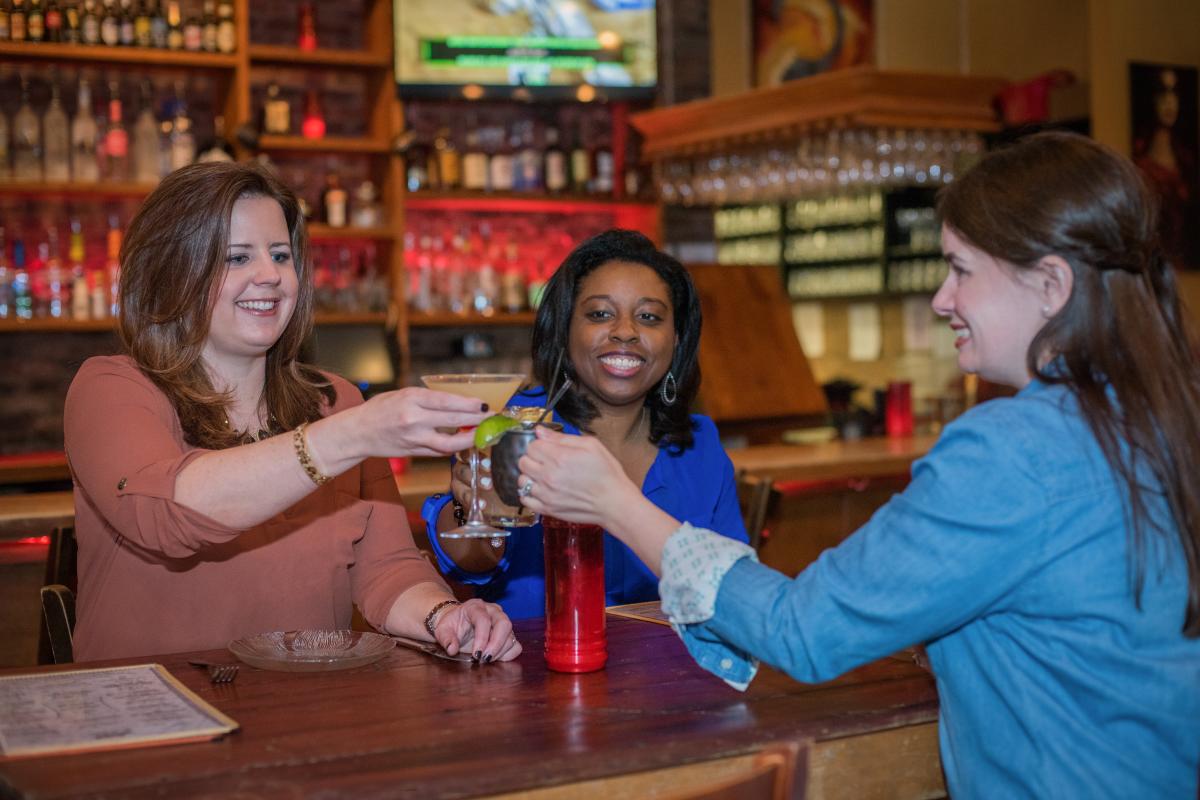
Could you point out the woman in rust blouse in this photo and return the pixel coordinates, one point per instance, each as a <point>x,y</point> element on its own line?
<point>223,488</point>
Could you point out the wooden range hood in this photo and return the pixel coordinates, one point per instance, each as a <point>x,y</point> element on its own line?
<point>859,97</point>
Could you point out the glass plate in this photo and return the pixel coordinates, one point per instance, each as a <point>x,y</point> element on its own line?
<point>311,651</point>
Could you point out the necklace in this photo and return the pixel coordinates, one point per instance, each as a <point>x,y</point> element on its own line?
<point>254,437</point>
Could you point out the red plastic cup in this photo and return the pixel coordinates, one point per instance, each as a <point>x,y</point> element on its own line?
<point>898,414</point>
<point>575,637</point>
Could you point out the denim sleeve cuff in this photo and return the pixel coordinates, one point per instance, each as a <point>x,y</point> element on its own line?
<point>694,561</point>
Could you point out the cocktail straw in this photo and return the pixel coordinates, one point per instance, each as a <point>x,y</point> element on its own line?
<point>566,384</point>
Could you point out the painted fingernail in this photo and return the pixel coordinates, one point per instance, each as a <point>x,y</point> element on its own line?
<point>477,655</point>
<point>487,659</point>
<point>483,408</point>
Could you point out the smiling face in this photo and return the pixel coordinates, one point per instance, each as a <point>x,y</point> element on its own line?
<point>993,308</point>
<point>258,292</point>
<point>622,333</point>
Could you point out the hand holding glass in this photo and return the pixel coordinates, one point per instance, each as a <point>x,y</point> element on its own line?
<point>495,391</point>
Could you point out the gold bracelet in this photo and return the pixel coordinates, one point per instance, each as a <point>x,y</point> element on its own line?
<point>304,457</point>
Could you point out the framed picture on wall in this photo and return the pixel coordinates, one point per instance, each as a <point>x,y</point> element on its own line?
<point>1166,140</point>
<point>797,38</point>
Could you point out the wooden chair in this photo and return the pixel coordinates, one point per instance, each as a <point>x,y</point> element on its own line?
<point>58,598</point>
<point>58,618</point>
<point>754,497</point>
<point>776,772</point>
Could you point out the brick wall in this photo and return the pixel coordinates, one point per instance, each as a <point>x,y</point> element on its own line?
<point>35,371</point>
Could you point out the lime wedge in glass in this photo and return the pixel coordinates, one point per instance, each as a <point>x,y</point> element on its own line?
<point>492,429</point>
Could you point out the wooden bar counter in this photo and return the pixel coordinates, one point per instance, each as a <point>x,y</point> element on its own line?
<point>414,726</point>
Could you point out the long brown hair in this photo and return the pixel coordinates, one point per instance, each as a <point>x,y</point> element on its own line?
<point>172,266</point>
<point>1123,344</point>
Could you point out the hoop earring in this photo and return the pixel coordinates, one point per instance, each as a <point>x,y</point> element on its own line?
<point>668,390</point>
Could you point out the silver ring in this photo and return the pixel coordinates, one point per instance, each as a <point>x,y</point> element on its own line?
<point>527,489</point>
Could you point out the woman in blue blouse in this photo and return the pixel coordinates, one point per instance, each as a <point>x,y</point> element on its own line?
<point>1047,550</point>
<point>628,318</point>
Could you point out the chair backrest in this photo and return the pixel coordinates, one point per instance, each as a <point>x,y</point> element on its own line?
<point>61,559</point>
<point>754,497</point>
<point>58,598</point>
<point>777,772</point>
<point>58,624</point>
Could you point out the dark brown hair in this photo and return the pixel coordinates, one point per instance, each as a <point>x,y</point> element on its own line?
<point>1121,342</point>
<point>670,425</point>
<point>172,266</point>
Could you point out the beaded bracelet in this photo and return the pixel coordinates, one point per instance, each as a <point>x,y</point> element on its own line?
<point>304,457</point>
<point>431,619</point>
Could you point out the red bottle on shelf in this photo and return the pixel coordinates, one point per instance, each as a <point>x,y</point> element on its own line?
<point>575,637</point>
<point>307,36</point>
<point>313,126</point>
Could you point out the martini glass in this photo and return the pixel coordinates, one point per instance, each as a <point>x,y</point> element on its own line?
<point>495,391</point>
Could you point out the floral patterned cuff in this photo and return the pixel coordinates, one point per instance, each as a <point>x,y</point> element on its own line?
<point>694,561</point>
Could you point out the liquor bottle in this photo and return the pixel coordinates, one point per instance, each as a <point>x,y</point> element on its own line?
<point>27,140</point>
<point>80,300</point>
<point>6,280</point>
<point>35,22</point>
<point>21,288</point>
<point>277,112</point>
<point>216,148</point>
<point>529,160</point>
<point>306,38</point>
<point>474,160</point>
<point>54,22</point>
<point>5,22</point>
<point>512,281</point>
<point>159,29</point>
<point>57,135</point>
<point>603,168</point>
<point>84,166</point>
<point>313,124</point>
<point>89,25</point>
<point>449,164</point>
<point>174,26</point>
<point>334,202</point>
<point>226,30</point>
<point>128,33</point>
<point>116,139</point>
<point>72,32</point>
<point>193,34</point>
<point>500,168</point>
<point>554,167</point>
<point>112,266</point>
<point>145,140</point>
<point>365,211</point>
<point>5,172</point>
<point>57,282</point>
<point>416,153</point>
<point>208,24</point>
<point>142,33</point>
<point>110,24</point>
<point>581,164</point>
<point>17,29</point>
<point>183,138</point>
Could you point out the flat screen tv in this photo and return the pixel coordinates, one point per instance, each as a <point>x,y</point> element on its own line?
<point>526,49</point>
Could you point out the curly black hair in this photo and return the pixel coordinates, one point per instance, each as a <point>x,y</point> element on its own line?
<point>670,425</point>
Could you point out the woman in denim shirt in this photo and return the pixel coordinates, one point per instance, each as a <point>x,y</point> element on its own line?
<point>1047,550</point>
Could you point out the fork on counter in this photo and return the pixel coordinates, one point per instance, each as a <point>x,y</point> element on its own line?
<point>218,673</point>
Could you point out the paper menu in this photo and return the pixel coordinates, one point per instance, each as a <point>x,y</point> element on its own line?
<point>649,611</point>
<point>44,713</point>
